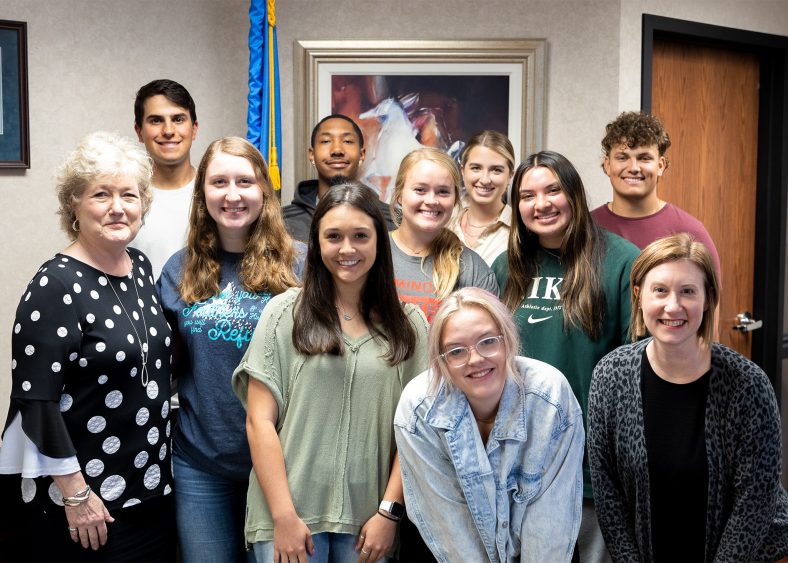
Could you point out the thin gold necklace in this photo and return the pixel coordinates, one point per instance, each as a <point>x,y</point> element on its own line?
<point>414,251</point>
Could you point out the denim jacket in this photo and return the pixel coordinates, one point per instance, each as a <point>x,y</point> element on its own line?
<point>518,498</point>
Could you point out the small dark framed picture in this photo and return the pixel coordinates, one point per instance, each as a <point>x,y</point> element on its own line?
<point>14,118</point>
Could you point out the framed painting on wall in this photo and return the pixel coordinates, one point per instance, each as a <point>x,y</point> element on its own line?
<point>406,94</point>
<point>14,127</point>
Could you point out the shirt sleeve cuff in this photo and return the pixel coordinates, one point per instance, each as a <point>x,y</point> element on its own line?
<point>20,455</point>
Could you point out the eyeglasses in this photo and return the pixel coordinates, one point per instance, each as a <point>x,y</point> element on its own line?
<point>487,347</point>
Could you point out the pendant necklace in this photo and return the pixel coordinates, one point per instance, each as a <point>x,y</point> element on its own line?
<point>144,377</point>
<point>344,314</point>
<point>416,252</point>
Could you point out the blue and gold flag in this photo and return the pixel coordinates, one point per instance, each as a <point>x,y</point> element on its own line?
<point>264,122</point>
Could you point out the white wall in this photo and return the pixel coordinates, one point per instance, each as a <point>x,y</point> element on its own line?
<point>86,61</point>
<point>88,57</point>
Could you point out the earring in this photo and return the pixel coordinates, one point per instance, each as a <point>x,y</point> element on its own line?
<point>75,225</point>
<point>312,162</point>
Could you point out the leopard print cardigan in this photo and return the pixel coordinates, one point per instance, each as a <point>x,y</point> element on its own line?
<point>747,512</point>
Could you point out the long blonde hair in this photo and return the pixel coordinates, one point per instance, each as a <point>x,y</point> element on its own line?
<point>446,248</point>
<point>269,253</point>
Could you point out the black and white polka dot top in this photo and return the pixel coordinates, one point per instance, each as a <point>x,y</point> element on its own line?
<point>91,366</point>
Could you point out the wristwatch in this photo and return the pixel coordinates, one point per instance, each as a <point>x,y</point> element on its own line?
<point>392,507</point>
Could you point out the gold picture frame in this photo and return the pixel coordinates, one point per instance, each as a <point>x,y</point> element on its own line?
<point>519,65</point>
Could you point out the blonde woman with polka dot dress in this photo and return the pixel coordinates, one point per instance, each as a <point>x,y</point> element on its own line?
<point>88,426</point>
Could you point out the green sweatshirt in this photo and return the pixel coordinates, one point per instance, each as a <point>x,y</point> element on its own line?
<point>541,322</point>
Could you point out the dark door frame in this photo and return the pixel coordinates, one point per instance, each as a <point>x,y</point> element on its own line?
<point>772,167</point>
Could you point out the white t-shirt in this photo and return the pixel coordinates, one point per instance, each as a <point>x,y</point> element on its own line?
<point>166,225</point>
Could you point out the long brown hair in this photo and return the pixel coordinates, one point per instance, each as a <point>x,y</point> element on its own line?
<point>582,249</point>
<point>269,254</point>
<point>447,247</point>
<point>316,327</point>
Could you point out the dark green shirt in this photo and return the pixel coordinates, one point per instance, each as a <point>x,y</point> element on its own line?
<point>540,319</point>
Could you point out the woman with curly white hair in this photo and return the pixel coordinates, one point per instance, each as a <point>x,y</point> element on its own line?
<point>88,425</point>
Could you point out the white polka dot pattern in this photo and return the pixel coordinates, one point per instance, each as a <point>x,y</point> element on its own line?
<point>140,460</point>
<point>113,399</point>
<point>112,487</point>
<point>94,467</point>
<point>142,416</point>
<point>71,330</point>
<point>28,489</point>
<point>111,445</point>
<point>152,477</point>
<point>96,424</point>
<point>66,401</point>
<point>55,494</point>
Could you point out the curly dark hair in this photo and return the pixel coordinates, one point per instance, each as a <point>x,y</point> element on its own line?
<point>636,129</point>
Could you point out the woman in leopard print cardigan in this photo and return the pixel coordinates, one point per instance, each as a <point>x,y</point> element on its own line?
<point>656,402</point>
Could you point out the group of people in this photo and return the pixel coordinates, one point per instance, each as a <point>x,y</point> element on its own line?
<point>482,371</point>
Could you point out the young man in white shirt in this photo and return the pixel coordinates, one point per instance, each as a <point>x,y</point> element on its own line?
<point>165,120</point>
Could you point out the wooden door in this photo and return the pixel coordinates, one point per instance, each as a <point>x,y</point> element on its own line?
<point>707,98</point>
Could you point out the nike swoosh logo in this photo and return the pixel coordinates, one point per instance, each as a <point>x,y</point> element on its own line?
<point>533,321</point>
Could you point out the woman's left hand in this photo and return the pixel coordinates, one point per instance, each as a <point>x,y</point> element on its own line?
<point>375,539</point>
<point>87,523</point>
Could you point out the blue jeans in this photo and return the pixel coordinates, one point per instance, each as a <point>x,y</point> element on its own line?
<point>329,548</point>
<point>209,512</point>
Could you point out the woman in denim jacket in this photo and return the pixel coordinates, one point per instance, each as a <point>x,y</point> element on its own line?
<point>490,444</point>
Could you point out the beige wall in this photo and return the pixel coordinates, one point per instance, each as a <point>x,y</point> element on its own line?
<point>87,57</point>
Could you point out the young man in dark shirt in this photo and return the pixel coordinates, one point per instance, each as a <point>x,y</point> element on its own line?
<point>336,152</point>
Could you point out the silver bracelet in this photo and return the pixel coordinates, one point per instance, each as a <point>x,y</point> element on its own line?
<point>80,497</point>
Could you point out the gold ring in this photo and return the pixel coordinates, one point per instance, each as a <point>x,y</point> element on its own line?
<point>364,552</point>
<point>72,530</point>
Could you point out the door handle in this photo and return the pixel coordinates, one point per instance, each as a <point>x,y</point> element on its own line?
<point>746,322</point>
